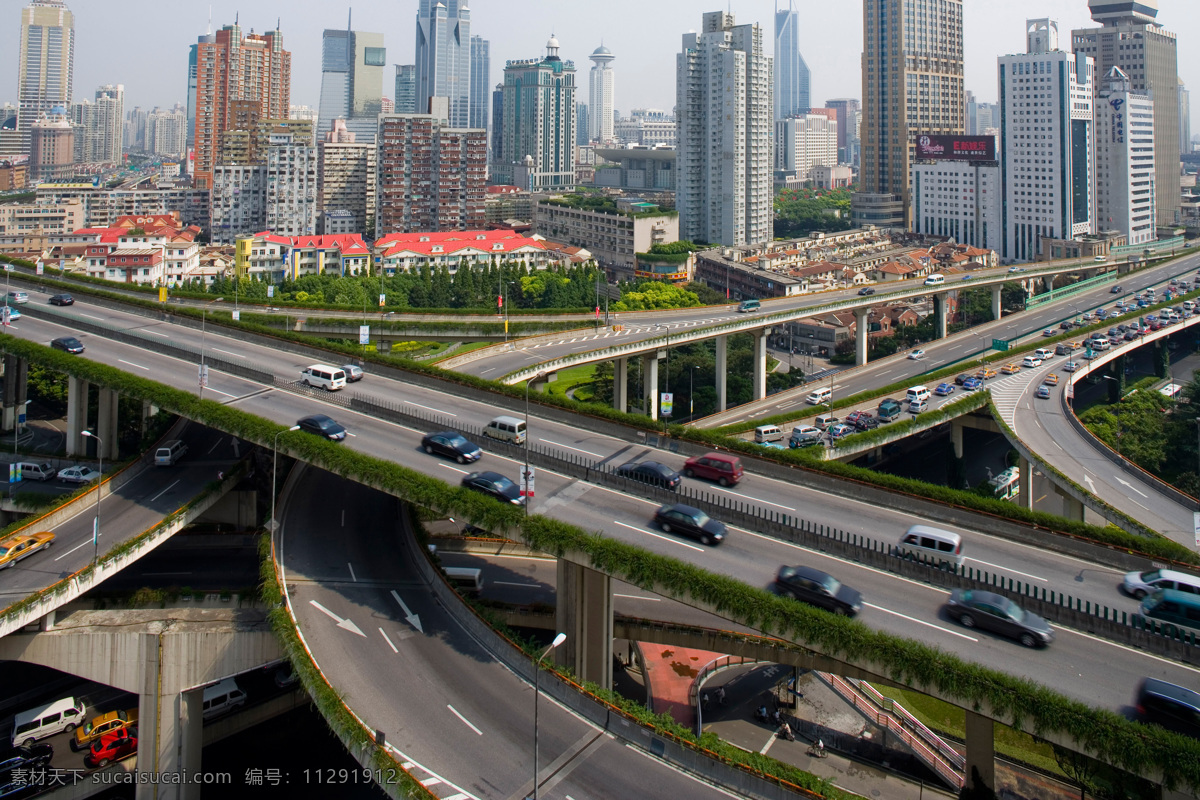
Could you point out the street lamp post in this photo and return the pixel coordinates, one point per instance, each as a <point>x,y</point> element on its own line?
<point>537,668</point>
<point>274,469</point>
<point>691,391</point>
<point>99,481</point>
<point>525,473</point>
<point>203,324</point>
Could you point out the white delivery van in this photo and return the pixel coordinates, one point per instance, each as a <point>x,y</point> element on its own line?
<point>768,433</point>
<point>819,397</point>
<point>222,696</point>
<point>37,723</point>
<point>324,377</point>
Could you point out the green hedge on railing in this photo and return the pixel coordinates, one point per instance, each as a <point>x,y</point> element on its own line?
<point>1107,735</point>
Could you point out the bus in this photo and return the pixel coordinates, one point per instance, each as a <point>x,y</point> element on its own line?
<point>1007,484</point>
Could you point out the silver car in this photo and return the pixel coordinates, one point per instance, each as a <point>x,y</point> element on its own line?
<point>1138,584</point>
<point>353,373</point>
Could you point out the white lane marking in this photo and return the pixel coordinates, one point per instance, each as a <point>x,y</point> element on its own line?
<point>1006,569</point>
<point>465,721</point>
<point>156,333</point>
<point>576,449</point>
<point>130,363</point>
<point>85,542</point>
<point>639,597</point>
<point>435,781</point>
<point>226,352</point>
<point>767,746</point>
<point>164,491</point>
<point>427,408</point>
<point>89,316</point>
<point>755,499</point>
<point>513,583</point>
<point>456,469</point>
<point>352,575</point>
<point>660,536</point>
<point>920,622</point>
<point>344,624</point>
<point>389,641</point>
<point>218,391</point>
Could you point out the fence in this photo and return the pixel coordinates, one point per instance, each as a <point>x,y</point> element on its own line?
<point>712,668</point>
<point>1067,291</point>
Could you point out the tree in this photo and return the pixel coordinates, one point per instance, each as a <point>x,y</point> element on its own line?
<point>650,295</point>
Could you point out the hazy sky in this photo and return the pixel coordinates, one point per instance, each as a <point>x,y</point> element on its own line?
<point>144,44</point>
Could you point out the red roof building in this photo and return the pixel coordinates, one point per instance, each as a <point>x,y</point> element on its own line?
<point>405,252</point>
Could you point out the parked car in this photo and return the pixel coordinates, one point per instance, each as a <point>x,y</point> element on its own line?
<point>866,290</point>
<point>917,354</point>
<point>971,384</point>
<point>866,421</point>
<point>819,589</point>
<point>78,474</point>
<point>19,545</point>
<point>689,521</point>
<point>354,373</point>
<point>841,430</point>
<point>651,472</point>
<point>112,747</point>
<point>451,444</point>
<point>322,425</point>
<point>61,300</point>
<point>944,389</point>
<point>99,726</point>
<point>494,485</point>
<point>1042,392</point>
<point>995,612</point>
<point>67,344</point>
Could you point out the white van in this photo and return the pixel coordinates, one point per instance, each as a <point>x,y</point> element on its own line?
<point>169,453</point>
<point>768,433</point>
<point>1044,353</point>
<point>931,545</point>
<point>916,393</point>
<point>468,580</point>
<point>506,429</point>
<point>324,377</point>
<point>1101,343</point>
<point>34,471</point>
<point>222,696</point>
<point>936,279</point>
<point>37,723</point>
<point>819,397</point>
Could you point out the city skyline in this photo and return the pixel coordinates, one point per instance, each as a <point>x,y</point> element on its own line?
<point>155,73</point>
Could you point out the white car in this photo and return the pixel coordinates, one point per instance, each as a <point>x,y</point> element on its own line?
<point>1031,361</point>
<point>917,355</point>
<point>78,474</point>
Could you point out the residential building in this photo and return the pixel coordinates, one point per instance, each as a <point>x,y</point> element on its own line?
<point>26,227</point>
<point>601,88</point>
<point>352,64</point>
<point>248,143</point>
<point>444,58</point>
<point>1125,189</point>
<point>481,82</point>
<point>431,175</point>
<point>166,132</point>
<point>847,109</point>
<point>538,138</point>
<point>406,89</point>
<point>134,133</point>
<point>346,183</point>
<point>646,131</point>
<point>148,196</point>
<point>804,142</point>
<point>273,257</point>
<point>1131,38</point>
<point>291,198</point>
<point>583,126</point>
<point>638,169</point>
<point>14,173</point>
<point>51,149</point>
<point>792,90</point>
<point>239,201</point>
<point>723,112</point>
<point>1047,148</point>
<point>234,67</point>
<point>912,73</point>
<point>153,250</point>
<point>45,63</point>
<point>509,207</point>
<point>959,200</point>
<point>831,177</point>
<point>1185,119</point>
<point>194,81</point>
<point>100,129</point>
<point>409,252</point>
<point>614,234</point>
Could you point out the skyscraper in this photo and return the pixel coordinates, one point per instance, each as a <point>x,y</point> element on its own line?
<point>1185,119</point>
<point>46,63</point>
<point>481,81</point>
<point>444,57</point>
<point>792,94</point>
<point>723,146</point>
<point>352,65</point>
<point>1046,144</point>
<point>846,108</point>
<point>496,142</point>
<point>193,53</point>
<point>406,89</point>
<point>912,73</point>
<point>1124,160</point>
<point>1147,53</point>
<point>601,85</point>
<point>539,123</point>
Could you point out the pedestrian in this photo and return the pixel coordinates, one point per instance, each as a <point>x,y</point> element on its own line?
<point>704,700</point>
<point>721,695</point>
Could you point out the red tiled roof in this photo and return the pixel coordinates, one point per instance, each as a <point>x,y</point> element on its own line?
<point>456,241</point>
<point>345,243</point>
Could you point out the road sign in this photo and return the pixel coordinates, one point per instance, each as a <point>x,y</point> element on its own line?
<point>1196,525</point>
<point>237,315</point>
<point>667,403</point>
<point>270,291</point>
<point>41,268</point>
<point>6,315</point>
<point>364,334</point>
<point>21,418</point>
<point>999,344</point>
<point>162,294</point>
<point>527,481</point>
<point>382,300</point>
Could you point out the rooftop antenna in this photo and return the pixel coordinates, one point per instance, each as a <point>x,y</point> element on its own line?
<point>349,16</point>
<point>209,31</point>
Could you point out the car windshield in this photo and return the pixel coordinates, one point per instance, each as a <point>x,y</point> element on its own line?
<point>1152,575</point>
<point>326,424</point>
<point>831,584</point>
<point>502,483</point>
<point>457,441</point>
<point>701,519</point>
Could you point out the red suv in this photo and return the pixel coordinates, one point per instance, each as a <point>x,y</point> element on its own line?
<point>724,469</point>
<point>112,747</point>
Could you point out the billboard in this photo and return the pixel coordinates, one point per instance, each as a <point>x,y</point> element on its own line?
<point>956,148</point>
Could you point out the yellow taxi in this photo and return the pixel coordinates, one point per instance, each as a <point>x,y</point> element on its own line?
<point>111,722</point>
<point>985,373</point>
<point>1076,345</point>
<point>1051,379</point>
<point>1011,369</point>
<point>19,545</point>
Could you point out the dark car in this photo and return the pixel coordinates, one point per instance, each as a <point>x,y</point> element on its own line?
<point>961,380</point>
<point>1176,708</point>
<point>866,290</point>
<point>27,757</point>
<point>972,383</point>
<point>996,613</point>
<point>62,300</point>
<point>651,472</point>
<point>1115,290</point>
<point>68,343</point>
<point>819,589</point>
<point>691,522</point>
<point>451,444</point>
<point>322,425</point>
<point>112,747</point>
<point>494,485</point>
<point>866,421</point>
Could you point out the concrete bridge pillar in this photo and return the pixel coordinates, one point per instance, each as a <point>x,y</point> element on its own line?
<point>939,311</point>
<point>1025,484</point>
<point>1048,282</point>
<point>760,363</point>
<point>1072,508</point>
<point>585,614</point>
<point>77,415</point>
<point>722,368</point>
<point>956,436</point>
<point>148,412</point>
<point>621,384</point>
<point>191,724</point>
<point>650,383</point>
<point>860,335</point>
<point>106,424</point>
<point>16,388</point>
<point>996,291</point>
<point>980,764</point>
<point>170,725</point>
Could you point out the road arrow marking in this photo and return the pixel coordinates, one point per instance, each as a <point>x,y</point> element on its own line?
<point>1091,486</point>
<point>1129,485</point>
<point>412,618</point>
<point>344,624</point>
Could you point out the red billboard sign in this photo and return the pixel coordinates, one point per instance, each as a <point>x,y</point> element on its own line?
<point>957,148</point>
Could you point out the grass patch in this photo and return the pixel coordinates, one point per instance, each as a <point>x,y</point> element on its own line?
<point>572,378</point>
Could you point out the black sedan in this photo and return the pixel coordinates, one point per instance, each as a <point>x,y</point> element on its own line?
<point>451,445</point>
<point>68,343</point>
<point>689,521</point>
<point>651,472</point>
<point>996,613</point>
<point>494,485</point>
<point>819,589</point>
<point>62,300</point>
<point>865,291</point>
<point>322,425</point>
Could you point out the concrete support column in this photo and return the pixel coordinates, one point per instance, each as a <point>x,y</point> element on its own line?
<point>106,423</point>
<point>77,415</point>
<point>939,310</point>
<point>1072,508</point>
<point>1025,484</point>
<point>156,725</point>
<point>650,383</point>
<point>148,412</point>
<point>996,290</point>
<point>170,723</point>
<point>191,729</point>
<point>1048,282</point>
<point>980,764</point>
<point>860,335</point>
<point>722,367</point>
<point>956,437</point>
<point>760,364</point>
<point>16,389</point>
<point>584,612</point>
<point>621,384</point>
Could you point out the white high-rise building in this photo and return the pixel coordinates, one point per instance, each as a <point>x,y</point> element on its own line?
<point>538,131</point>
<point>804,142</point>
<point>46,62</point>
<point>100,126</point>
<point>444,57</point>
<point>600,95</point>
<point>166,132</point>
<point>352,64</point>
<point>723,116</point>
<point>292,197</point>
<point>1046,143</point>
<point>1125,179</point>
<point>958,199</point>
